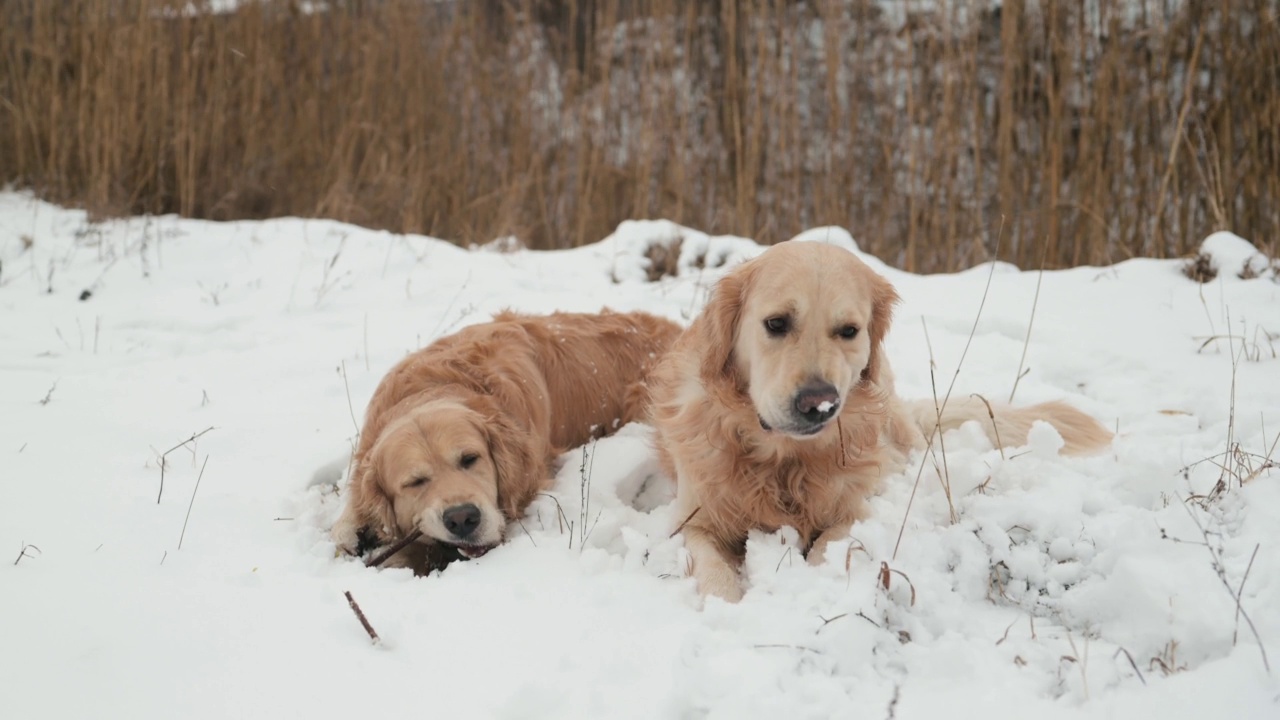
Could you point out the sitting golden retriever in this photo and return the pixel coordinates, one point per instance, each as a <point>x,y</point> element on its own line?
<point>776,408</point>
<point>460,436</point>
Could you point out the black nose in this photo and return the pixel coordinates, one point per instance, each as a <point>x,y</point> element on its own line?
<point>462,520</point>
<point>817,402</point>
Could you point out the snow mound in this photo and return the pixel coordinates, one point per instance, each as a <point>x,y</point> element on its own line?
<point>649,250</point>
<point>1230,256</point>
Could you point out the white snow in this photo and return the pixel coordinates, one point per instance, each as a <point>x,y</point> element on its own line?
<point>1055,572</point>
<point>1232,254</point>
<point>825,406</point>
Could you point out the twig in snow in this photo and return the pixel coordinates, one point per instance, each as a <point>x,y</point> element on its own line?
<point>1006,633</point>
<point>864,617</point>
<point>828,621</point>
<point>399,545</point>
<point>786,647</point>
<point>893,701</point>
<point>193,501</point>
<point>164,463</point>
<point>24,554</point>
<point>373,635</point>
<point>49,395</point>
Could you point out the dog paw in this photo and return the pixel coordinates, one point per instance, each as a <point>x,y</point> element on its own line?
<point>728,589</point>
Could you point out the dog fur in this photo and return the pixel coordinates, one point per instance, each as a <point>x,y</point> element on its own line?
<point>460,436</point>
<point>777,408</point>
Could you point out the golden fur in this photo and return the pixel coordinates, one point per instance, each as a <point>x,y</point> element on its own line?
<point>460,436</point>
<point>777,408</point>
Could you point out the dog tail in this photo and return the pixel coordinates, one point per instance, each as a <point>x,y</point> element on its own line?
<point>1081,433</point>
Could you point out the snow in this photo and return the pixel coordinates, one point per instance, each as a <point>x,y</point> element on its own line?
<point>1054,572</point>
<point>825,406</point>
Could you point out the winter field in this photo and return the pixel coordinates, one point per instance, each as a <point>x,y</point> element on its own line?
<point>151,575</point>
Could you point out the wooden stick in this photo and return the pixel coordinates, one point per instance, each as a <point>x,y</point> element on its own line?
<point>373,635</point>
<point>382,557</point>
<point>686,522</point>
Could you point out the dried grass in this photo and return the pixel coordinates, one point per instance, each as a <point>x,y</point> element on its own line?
<point>553,120</point>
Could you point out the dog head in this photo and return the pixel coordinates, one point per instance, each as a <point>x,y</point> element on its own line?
<point>454,469</point>
<point>797,329</point>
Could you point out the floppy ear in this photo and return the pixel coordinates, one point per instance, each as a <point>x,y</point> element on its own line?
<point>883,298</point>
<point>519,461</point>
<point>717,326</point>
<point>368,519</point>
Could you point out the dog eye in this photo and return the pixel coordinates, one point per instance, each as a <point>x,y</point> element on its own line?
<point>778,325</point>
<point>467,460</point>
<point>848,332</point>
<point>416,482</point>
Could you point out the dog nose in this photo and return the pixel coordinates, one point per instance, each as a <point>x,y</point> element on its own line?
<point>817,402</point>
<point>462,520</point>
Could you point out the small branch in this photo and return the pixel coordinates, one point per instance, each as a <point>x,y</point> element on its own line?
<point>787,647</point>
<point>165,454</point>
<point>49,395</point>
<point>193,501</point>
<point>355,608</point>
<point>828,621</point>
<point>399,545</point>
<point>893,701</point>
<point>24,554</point>
<point>686,522</point>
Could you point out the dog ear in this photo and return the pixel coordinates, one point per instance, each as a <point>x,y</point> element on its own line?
<point>717,326</point>
<point>368,519</point>
<point>883,298</point>
<point>520,465</point>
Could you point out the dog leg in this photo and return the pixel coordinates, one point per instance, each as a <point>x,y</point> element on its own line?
<point>715,573</point>
<point>818,551</point>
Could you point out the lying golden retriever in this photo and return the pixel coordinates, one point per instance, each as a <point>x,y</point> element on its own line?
<point>776,408</point>
<point>460,436</point>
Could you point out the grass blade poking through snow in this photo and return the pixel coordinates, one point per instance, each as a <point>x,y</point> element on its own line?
<point>193,501</point>
<point>937,427</point>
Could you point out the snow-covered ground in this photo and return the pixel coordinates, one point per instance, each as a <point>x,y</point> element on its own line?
<point>1064,587</point>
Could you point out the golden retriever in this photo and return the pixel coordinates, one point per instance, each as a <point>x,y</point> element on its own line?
<point>776,408</point>
<point>460,436</point>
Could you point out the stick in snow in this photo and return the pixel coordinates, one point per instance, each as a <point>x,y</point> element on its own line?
<point>373,635</point>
